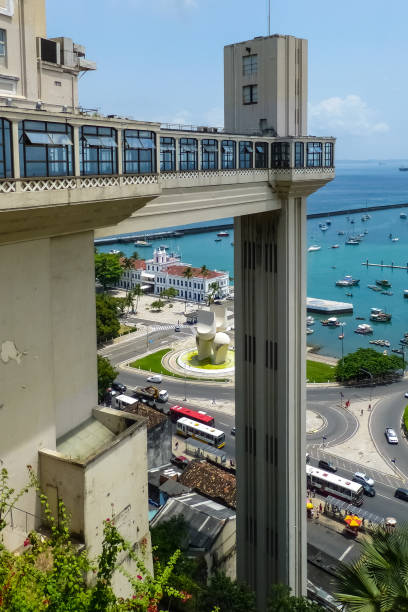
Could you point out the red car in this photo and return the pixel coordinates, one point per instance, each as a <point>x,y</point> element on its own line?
<point>180,461</point>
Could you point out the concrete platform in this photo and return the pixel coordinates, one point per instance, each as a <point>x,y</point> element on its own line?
<point>327,306</point>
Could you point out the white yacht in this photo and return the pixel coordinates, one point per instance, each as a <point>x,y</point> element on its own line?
<point>314,247</point>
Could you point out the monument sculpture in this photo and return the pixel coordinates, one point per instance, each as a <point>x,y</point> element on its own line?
<point>211,339</point>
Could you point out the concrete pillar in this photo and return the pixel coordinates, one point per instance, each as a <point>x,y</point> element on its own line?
<point>270,277</point>
<point>77,160</point>
<point>199,155</point>
<point>15,148</point>
<point>177,157</point>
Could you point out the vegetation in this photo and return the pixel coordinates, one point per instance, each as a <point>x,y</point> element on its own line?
<point>377,581</point>
<point>405,417</point>
<point>359,365</point>
<point>169,293</point>
<point>213,292</point>
<point>106,376</point>
<point>157,305</point>
<point>153,363</point>
<point>107,322</point>
<point>50,574</point>
<point>108,269</point>
<point>280,600</point>
<point>317,372</point>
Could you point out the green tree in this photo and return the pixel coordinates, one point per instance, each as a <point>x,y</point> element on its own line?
<point>108,269</point>
<point>204,271</point>
<point>107,323</point>
<point>228,595</point>
<point>188,274</point>
<point>135,255</point>
<point>157,305</point>
<point>106,375</point>
<point>280,600</point>
<point>378,580</point>
<point>355,366</point>
<point>169,293</point>
<point>214,288</point>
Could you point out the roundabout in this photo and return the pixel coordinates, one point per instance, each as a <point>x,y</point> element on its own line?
<point>188,360</point>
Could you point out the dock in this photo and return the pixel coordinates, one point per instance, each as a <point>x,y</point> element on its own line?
<point>392,265</point>
<point>327,306</point>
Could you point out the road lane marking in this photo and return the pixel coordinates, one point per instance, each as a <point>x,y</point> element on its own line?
<point>346,552</point>
<point>226,424</point>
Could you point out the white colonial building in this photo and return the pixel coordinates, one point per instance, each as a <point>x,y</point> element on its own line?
<point>166,270</point>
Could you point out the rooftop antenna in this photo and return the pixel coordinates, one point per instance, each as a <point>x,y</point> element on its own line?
<point>269,17</point>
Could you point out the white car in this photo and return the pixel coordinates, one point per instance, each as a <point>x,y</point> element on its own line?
<point>391,436</point>
<point>363,477</point>
<point>155,378</point>
<point>406,394</point>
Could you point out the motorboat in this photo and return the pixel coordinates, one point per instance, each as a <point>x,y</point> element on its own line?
<point>347,281</point>
<point>374,287</point>
<point>223,234</point>
<point>363,328</point>
<point>381,342</point>
<point>403,215</point>
<point>405,293</point>
<point>142,243</point>
<point>349,294</point>
<point>340,233</point>
<point>331,322</point>
<point>383,283</point>
<point>314,247</point>
<point>114,252</point>
<point>217,239</point>
<point>387,293</point>
<point>310,320</point>
<point>378,315</point>
<point>395,239</point>
<point>309,330</point>
<point>328,222</point>
<point>353,241</point>
<point>335,246</point>
<point>324,227</point>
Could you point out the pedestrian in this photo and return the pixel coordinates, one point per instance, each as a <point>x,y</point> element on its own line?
<point>320,508</point>
<point>176,445</point>
<point>362,411</point>
<point>369,407</point>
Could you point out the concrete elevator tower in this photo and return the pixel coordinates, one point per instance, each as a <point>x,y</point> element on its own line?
<point>266,94</point>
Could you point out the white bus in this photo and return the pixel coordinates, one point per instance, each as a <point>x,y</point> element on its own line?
<point>327,483</point>
<point>193,429</point>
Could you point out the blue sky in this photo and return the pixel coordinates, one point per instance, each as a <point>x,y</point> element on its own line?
<point>162,60</point>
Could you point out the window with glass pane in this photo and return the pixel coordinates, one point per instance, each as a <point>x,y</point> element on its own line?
<point>299,154</point>
<point>188,154</point>
<point>167,154</point>
<point>249,64</point>
<point>261,155</point>
<point>6,161</point>
<point>46,149</point>
<point>328,154</point>
<point>280,157</point>
<point>228,153</point>
<point>245,154</point>
<point>250,94</point>
<point>139,152</point>
<point>314,154</point>
<point>209,154</point>
<point>97,150</point>
<point>3,46</point>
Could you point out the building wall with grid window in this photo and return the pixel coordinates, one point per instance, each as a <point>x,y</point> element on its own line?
<point>254,72</point>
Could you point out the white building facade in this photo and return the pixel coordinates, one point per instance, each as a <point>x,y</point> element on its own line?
<point>166,271</point>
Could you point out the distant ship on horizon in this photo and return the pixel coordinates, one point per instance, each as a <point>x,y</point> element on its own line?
<point>403,169</point>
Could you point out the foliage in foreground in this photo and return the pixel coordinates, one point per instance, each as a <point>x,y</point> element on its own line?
<point>355,365</point>
<point>378,580</point>
<point>108,269</point>
<point>107,320</point>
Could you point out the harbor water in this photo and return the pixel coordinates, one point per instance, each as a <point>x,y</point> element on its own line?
<point>356,184</point>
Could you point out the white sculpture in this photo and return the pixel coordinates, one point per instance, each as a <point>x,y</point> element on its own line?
<point>212,342</point>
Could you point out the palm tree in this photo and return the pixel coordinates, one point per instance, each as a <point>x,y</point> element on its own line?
<point>204,271</point>
<point>378,580</point>
<point>188,274</point>
<point>136,292</point>
<point>214,287</point>
<point>135,256</point>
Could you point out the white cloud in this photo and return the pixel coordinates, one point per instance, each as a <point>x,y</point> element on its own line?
<point>350,115</point>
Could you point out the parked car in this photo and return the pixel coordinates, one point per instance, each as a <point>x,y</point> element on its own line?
<point>177,328</point>
<point>406,394</point>
<point>401,494</point>
<point>155,378</point>
<point>363,479</point>
<point>233,431</point>
<point>327,465</point>
<point>368,489</point>
<point>181,461</point>
<point>391,436</point>
<point>118,386</point>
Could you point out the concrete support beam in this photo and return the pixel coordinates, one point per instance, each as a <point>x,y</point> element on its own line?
<point>270,293</point>
<point>16,149</point>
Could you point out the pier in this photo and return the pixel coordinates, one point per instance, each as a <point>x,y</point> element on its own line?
<point>383,265</point>
<point>165,234</point>
<point>327,306</point>
<point>353,211</point>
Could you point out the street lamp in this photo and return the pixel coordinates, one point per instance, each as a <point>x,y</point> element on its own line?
<point>402,345</point>
<point>341,337</point>
<point>371,380</point>
<point>324,438</point>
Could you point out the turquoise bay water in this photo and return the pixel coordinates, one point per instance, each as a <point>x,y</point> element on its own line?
<point>356,184</point>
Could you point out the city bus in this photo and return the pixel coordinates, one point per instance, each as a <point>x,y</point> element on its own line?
<point>327,483</point>
<point>191,429</point>
<point>177,412</point>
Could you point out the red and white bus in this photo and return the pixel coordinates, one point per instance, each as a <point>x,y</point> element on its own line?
<point>177,412</point>
<point>326,483</point>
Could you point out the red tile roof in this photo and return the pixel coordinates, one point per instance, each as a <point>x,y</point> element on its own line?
<point>211,481</point>
<point>178,271</point>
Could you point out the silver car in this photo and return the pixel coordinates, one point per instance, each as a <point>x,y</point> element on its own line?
<point>391,436</point>
<point>363,478</point>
